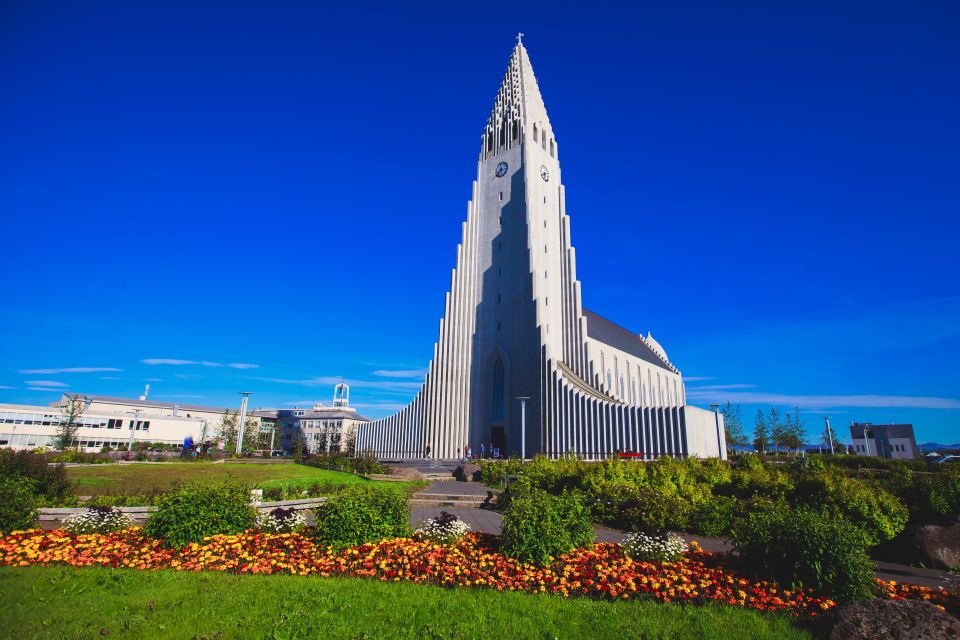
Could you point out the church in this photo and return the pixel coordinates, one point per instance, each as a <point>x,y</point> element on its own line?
<point>520,365</point>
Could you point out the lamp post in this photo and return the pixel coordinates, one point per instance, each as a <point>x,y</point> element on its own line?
<point>716,419</point>
<point>243,420</point>
<point>829,433</point>
<point>133,428</point>
<point>523,426</point>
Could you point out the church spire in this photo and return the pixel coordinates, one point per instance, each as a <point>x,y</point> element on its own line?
<point>517,107</point>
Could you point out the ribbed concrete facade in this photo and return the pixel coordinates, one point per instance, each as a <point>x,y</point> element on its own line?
<point>514,326</point>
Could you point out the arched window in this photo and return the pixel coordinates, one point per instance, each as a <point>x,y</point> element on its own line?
<point>498,390</point>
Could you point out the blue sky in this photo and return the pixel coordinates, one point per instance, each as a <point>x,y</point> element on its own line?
<point>267,196</point>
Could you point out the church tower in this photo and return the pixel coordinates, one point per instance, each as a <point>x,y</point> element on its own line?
<point>514,326</point>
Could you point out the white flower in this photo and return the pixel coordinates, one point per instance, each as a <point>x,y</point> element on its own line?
<point>654,546</point>
<point>96,520</point>
<point>281,520</point>
<point>445,528</point>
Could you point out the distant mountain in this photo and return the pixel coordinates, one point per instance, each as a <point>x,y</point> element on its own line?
<point>936,446</point>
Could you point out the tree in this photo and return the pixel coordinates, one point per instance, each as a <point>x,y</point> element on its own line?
<point>733,425</point>
<point>298,445</point>
<point>799,432</point>
<point>251,435</point>
<point>228,430</point>
<point>788,433</point>
<point>776,429</point>
<point>70,413</point>
<point>761,435</point>
<point>350,442</point>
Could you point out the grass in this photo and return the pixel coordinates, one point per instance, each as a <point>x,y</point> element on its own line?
<point>62,602</point>
<point>142,479</point>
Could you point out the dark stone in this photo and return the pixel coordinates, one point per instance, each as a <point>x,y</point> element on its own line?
<point>468,472</point>
<point>941,545</point>
<point>893,620</point>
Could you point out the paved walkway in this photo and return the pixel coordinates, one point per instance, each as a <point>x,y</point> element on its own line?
<point>455,488</point>
<point>485,521</point>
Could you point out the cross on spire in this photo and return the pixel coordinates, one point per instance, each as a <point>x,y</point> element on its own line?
<point>519,38</point>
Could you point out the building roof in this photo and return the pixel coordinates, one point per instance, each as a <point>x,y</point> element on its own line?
<point>892,430</point>
<point>151,403</point>
<point>607,332</point>
<point>333,414</point>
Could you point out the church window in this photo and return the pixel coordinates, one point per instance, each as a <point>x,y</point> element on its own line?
<point>498,326</point>
<point>552,148</point>
<point>623,393</point>
<point>544,248</point>
<point>544,275</point>
<point>498,297</point>
<point>609,380</point>
<point>544,199</point>
<point>543,141</point>
<point>499,271</point>
<point>501,196</point>
<point>534,132</point>
<point>633,392</point>
<point>498,390</point>
<point>546,302</point>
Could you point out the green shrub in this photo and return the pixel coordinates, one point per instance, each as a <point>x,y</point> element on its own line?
<point>18,509</point>
<point>943,493</point>
<point>714,517</point>
<point>806,548</point>
<point>656,508</point>
<point>49,480</point>
<point>194,512</point>
<point>78,457</point>
<point>876,511</point>
<point>363,514</point>
<point>538,527</point>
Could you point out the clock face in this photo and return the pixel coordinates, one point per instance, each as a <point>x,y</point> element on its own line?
<point>502,169</point>
<point>544,173</point>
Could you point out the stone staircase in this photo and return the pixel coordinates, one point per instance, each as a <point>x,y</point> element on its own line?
<point>454,495</point>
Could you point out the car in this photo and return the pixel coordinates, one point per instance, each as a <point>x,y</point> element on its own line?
<point>279,453</point>
<point>951,459</point>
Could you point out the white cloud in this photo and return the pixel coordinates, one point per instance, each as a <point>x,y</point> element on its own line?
<point>71,370</point>
<point>822,401</point>
<point>47,389</point>
<point>719,387</point>
<point>46,383</point>
<point>187,376</point>
<point>199,363</point>
<point>110,378</point>
<point>6,387</point>
<point>697,378</point>
<point>153,379</point>
<point>402,373</point>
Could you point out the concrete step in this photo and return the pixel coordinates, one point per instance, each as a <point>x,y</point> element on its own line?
<point>447,504</point>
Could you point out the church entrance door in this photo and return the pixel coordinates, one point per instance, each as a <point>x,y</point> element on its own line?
<point>499,441</point>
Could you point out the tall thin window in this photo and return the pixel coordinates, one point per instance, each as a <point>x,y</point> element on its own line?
<point>498,390</point>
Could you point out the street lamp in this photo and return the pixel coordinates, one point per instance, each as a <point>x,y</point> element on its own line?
<point>243,419</point>
<point>133,428</point>
<point>523,426</point>
<point>716,419</point>
<point>829,433</point>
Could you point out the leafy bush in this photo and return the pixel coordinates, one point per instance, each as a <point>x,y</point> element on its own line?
<point>18,508</point>
<point>538,527</point>
<point>812,549</point>
<point>281,520</point>
<point>654,546</point>
<point>194,512</point>
<point>714,517</point>
<point>881,515</point>
<point>446,528</point>
<point>49,480</point>
<point>658,508</point>
<point>96,520</point>
<point>363,514</point>
<point>78,457</point>
<point>944,493</point>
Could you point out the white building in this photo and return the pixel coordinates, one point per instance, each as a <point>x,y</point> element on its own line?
<point>29,427</point>
<point>514,326</point>
<point>323,429</point>
<point>895,441</point>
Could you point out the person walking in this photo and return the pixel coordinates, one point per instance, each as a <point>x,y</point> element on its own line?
<point>428,451</point>
<point>481,450</point>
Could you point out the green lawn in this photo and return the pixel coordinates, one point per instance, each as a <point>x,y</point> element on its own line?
<point>141,479</point>
<point>62,602</point>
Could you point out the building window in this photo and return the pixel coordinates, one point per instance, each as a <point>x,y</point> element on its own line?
<point>498,390</point>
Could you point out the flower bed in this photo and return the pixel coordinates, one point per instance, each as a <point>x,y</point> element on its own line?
<point>601,571</point>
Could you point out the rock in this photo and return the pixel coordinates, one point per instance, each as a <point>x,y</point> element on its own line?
<point>894,620</point>
<point>941,545</point>
<point>468,472</point>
